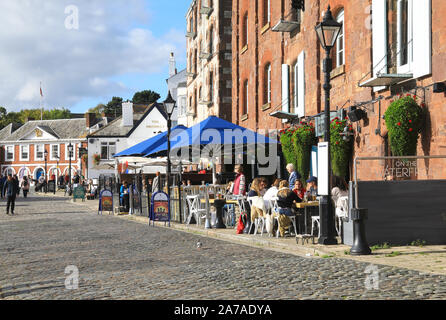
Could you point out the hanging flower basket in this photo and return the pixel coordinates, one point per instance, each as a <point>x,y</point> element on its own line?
<point>296,147</point>
<point>96,159</point>
<point>340,149</point>
<point>404,120</point>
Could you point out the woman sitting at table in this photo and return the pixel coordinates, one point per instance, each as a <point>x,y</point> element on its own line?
<point>258,206</point>
<point>299,189</point>
<point>340,189</point>
<point>286,202</point>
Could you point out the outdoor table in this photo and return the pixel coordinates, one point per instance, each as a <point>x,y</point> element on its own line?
<point>216,203</point>
<point>305,205</point>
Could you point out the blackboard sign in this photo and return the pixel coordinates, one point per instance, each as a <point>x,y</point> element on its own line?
<point>52,186</point>
<point>160,208</point>
<point>105,201</point>
<point>79,193</point>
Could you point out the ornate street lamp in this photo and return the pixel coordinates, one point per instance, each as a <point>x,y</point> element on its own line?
<point>327,32</point>
<point>70,154</point>
<point>57,173</point>
<point>46,170</point>
<point>169,107</point>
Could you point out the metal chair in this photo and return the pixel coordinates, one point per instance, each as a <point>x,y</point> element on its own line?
<point>315,220</point>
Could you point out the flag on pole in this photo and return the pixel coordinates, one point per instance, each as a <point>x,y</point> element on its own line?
<point>41,93</point>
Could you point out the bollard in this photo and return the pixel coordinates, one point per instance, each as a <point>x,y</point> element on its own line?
<point>360,245</point>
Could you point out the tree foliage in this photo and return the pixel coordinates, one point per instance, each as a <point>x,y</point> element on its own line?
<point>114,106</point>
<point>145,97</point>
<point>27,114</point>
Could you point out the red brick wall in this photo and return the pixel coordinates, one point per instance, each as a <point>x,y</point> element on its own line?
<point>279,48</point>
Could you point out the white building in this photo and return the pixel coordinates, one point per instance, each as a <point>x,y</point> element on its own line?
<point>137,123</point>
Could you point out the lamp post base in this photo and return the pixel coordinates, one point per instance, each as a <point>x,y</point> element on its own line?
<point>326,217</point>
<point>360,245</point>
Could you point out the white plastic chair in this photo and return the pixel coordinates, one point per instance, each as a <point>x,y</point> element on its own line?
<point>341,212</point>
<point>315,220</point>
<point>195,209</point>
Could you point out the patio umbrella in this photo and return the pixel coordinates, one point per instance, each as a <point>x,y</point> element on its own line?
<point>211,135</point>
<point>211,132</point>
<point>147,146</point>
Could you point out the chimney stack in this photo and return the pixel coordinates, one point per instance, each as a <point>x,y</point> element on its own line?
<point>90,119</point>
<point>172,65</point>
<point>127,114</point>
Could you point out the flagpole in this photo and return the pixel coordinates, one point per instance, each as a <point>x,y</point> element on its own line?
<point>41,110</point>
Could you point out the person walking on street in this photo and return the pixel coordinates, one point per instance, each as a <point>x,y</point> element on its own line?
<point>10,191</point>
<point>2,183</point>
<point>17,183</point>
<point>25,186</point>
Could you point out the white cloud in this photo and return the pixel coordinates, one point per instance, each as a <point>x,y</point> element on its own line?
<point>76,64</point>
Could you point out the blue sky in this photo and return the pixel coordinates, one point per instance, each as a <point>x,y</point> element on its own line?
<point>120,47</point>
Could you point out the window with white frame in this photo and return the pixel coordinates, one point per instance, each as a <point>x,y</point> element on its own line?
<point>9,153</point>
<point>340,42</point>
<point>108,150</point>
<point>268,83</point>
<point>73,154</point>
<point>39,152</point>
<point>24,153</point>
<point>54,152</point>
<point>404,35</point>
<point>409,37</point>
<point>296,86</point>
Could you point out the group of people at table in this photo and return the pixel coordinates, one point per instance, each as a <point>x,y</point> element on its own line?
<point>287,193</point>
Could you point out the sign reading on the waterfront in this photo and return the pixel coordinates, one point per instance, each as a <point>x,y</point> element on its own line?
<point>79,193</point>
<point>160,208</point>
<point>105,201</point>
<point>401,169</point>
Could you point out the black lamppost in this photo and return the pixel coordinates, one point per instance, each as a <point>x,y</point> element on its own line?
<point>169,107</point>
<point>327,32</point>
<point>57,174</point>
<point>45,153</point>
<point>70,154</point>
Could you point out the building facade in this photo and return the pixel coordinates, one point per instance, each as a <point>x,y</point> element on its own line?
<point>386,48</point>
<point>23,148</point>
<point>209,54</point>
<point>137,124</point>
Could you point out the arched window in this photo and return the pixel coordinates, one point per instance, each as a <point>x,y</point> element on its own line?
<point>267,84</point>
<point>196,62</point>
<point>195,102</point>
<point>340,42</point>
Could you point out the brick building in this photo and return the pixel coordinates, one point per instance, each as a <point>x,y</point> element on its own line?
<point>23,147</point>
<point>386,48</point>
<point>209,59</point>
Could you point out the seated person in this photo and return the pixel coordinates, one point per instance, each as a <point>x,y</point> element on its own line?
<point>258,206</point>
<point>299,189</point>
<point>340,189</point>
<point>286,201</point>
<point>312,187</point>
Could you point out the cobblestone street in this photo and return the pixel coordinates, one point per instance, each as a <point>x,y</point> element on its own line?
<point>119,259</point>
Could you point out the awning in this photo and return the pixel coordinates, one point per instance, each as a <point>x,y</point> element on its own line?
<point>386,79</point>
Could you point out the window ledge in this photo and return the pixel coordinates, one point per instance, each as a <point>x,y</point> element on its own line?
<point>244,49</point>
<point>244,117</point>
<point>337,72</point>
<point>266,106</point>
<point>265,28</point>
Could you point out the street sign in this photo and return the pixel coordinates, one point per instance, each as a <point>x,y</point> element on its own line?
<point>160,208</point>
<point>322,169</point>
<point>79,193</point>
<point>105,201</point>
